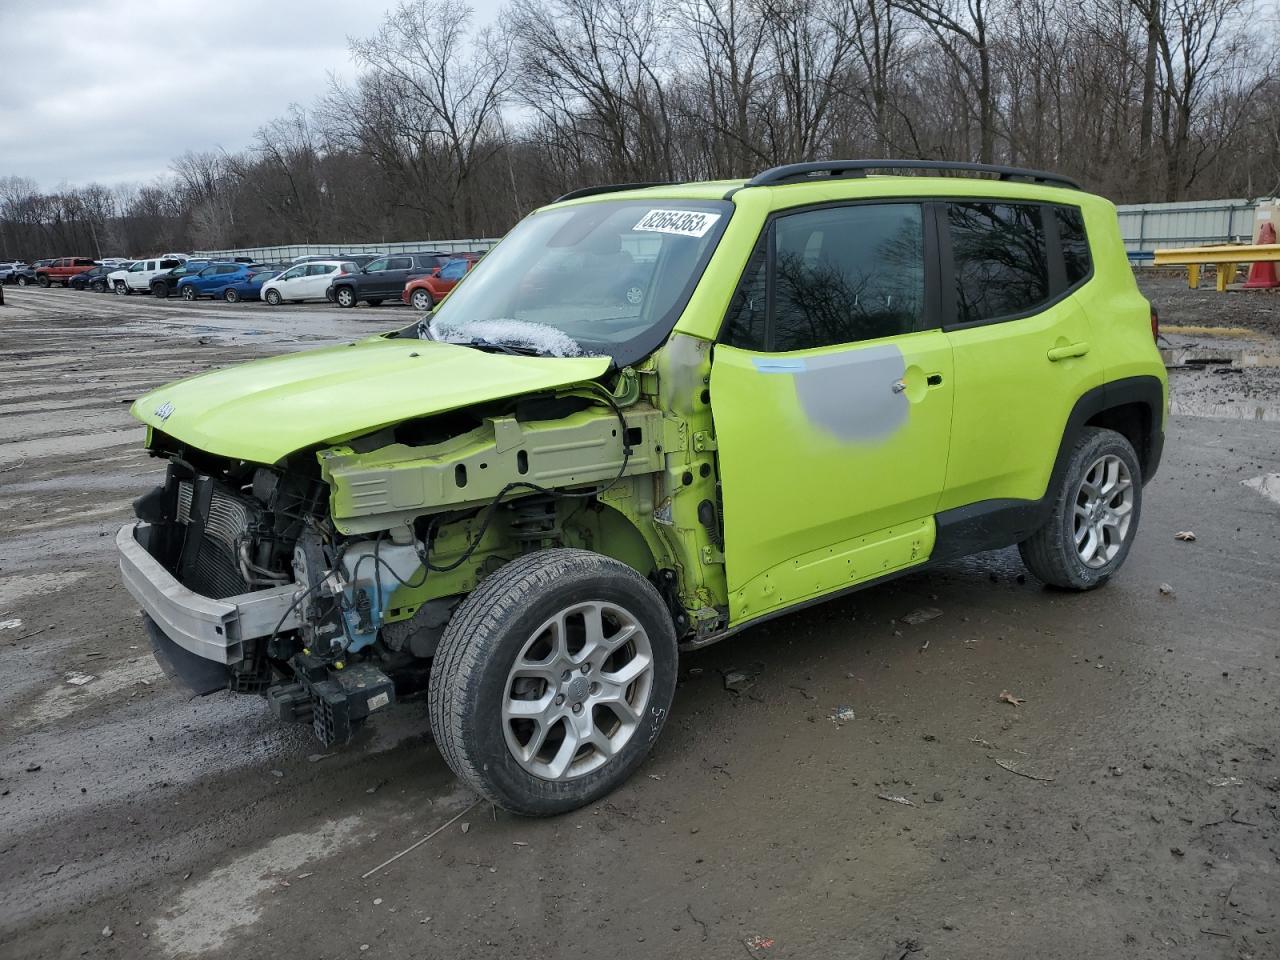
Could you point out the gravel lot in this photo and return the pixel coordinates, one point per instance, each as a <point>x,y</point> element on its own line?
<point>1129,808</point>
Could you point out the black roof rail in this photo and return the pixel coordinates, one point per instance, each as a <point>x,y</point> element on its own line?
<point>858,168</point>
<point>610,188</point>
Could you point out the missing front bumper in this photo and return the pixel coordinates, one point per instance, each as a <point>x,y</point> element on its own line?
<point>210,629</point>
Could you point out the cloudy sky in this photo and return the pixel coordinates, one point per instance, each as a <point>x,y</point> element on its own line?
<point>111,92</point>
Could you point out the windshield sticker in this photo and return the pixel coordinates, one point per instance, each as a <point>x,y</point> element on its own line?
<point>685,223</point>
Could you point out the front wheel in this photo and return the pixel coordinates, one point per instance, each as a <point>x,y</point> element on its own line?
<point>345,297</point>
<point>160,291</point>
<point>552,681</point>
<point>422,301</point>
<point>231,296</point>
<point>23,281</point>
<point>1095,515</point>
<point>122,289</point>
<point>98,286</point>
<point>188,293</point>
<point>42,280</point>
<point>273,297</point>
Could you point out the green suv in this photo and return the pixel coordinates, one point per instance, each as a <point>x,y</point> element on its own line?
<point>654,415</point>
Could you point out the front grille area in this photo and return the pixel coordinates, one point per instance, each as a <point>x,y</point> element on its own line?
<point>216,522</point>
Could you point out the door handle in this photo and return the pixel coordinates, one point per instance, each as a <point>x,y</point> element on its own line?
<point>1070,350</point>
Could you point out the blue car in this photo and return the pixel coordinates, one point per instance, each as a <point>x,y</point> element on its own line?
<point>250,287</point>
<point>213,280</point>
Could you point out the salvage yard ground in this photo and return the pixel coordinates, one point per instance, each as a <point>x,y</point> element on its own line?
<point>1129,805</point>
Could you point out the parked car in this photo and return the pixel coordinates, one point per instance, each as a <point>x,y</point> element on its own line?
<point>137,277</point>
<point>360,259</point>
<point>115,263</point>
<point>250,288</point>
<point>9,269</point>
<point>383,278</point>
<point>95,278</point>
<point>423,293</point>
<point>62,270</point>
<point>305,281</point>
<point>212,280</point>
<point>165,283</point>
<point>833,379</point>
<point>25,276</point>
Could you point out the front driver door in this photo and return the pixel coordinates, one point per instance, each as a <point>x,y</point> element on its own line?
<point>831,395</point>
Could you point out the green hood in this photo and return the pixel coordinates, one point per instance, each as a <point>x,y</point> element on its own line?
<point>265,410</point>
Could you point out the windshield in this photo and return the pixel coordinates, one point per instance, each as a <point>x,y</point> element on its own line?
<point>607,278</point>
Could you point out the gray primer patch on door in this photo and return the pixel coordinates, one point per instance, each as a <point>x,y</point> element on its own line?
<point>851,394</point>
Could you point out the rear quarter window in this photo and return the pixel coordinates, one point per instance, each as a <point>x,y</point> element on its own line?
<point>1074,242</point>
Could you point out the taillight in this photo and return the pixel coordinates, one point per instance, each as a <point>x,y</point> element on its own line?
<point>1155,324</point>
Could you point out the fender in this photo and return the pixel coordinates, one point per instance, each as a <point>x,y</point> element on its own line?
<point>992,524</point>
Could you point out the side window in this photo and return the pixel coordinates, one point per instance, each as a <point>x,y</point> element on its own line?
<point>293,272</point>
<point>1074,243</point>
<point>84,263</point>
<point>150,265</point>
<point>379,264</point>
<point>320,269</point>
<point>228,268</point>
<point>840,275</point>
<point>137,267</point>
<point>208,271</point>
<point>400,263</point>
<point>454,270</point>
<point>170,264</point>
<point>998,251</point>
<point>745,323</point>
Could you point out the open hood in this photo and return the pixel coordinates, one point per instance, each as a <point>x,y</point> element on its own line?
<point>265,410</point>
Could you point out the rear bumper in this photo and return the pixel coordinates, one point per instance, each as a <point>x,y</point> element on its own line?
<point>214,630</point>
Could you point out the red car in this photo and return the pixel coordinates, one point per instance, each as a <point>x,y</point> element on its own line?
<point>423,293</point>
<point>63,269</point>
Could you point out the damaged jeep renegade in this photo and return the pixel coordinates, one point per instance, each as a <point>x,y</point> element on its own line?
<point>652,416</point>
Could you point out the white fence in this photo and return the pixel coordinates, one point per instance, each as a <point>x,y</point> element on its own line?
<point>285,252</point>
<point>1146,226</point>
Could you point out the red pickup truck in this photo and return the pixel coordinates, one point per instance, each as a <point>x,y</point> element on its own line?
<point>63,269</point>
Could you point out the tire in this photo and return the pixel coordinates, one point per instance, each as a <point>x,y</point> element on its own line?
<point>42,280</point>
<point>272,297</point>
<point>98,286</point>
<point>1095,515</point>
<point>422,301</point>
<point>345,297</point>
<point>231,296</point>
<point>160,290</point>
<point>189,293</point>
<point>23,281</point>
<point>509,617</point>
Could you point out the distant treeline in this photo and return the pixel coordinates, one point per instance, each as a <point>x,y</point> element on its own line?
<point>451,131</point>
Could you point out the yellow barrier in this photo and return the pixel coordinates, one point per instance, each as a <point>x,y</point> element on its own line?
<point>1227,257</point>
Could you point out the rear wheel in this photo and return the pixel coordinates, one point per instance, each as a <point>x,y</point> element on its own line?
<point>188,293</point>
<point>160,290</point>
<point>273,297</point>
<point>552,680</point>
<point>23,281</point>
<point>98,286</point>
<point>345,297</point>
<point>231,296</point>
<point>42,280</point>
<point>422,301</point>
<point>1095,515</point>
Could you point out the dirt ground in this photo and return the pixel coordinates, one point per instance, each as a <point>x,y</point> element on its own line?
<point>1130,807</point>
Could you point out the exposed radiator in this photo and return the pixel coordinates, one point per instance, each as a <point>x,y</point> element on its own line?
<point>210,562</point>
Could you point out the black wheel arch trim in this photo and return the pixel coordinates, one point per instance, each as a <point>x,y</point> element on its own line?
<point>992,524</point>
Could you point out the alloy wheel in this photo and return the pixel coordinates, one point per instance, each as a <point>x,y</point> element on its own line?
<point>577,691</point>
<point>1103,510</point>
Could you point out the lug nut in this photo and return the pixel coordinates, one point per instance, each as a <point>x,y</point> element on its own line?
<point>594,688</point>
<point>559,699</point>
<point>577,708</point>
<point>565,676</point>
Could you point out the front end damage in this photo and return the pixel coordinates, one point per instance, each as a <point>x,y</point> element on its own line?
<point>324,581</point>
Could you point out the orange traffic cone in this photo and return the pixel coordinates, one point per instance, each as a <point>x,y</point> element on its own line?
<point>1262,275</point>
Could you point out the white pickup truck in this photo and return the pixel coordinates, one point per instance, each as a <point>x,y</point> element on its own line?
<point>137,278</point>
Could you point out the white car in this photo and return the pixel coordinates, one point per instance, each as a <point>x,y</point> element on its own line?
<point>305,281</point>
<point>137,278</point>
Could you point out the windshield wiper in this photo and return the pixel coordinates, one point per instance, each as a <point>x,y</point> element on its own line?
<point>480,343</point>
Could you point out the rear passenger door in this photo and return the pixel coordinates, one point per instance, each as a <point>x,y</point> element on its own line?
<point>391,281</point>
<point>1024,351</point>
